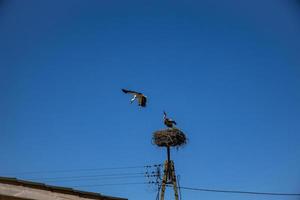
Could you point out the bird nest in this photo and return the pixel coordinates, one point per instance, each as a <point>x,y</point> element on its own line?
<point>171,137</point>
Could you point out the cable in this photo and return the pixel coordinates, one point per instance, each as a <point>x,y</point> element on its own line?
<point>88,176</point>
<point>86,169</point>
<point>240,192</point>
<point>110,184</point>
<point>96,179</point>
<point>76,170</point>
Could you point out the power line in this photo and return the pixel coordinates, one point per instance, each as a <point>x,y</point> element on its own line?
<point>199,189</point>
<point>84,169</point>
<point>97,179</point>
<point>240,192</point>
<point>130,175</point>
<point>88,176</point>
<point>110,184</point>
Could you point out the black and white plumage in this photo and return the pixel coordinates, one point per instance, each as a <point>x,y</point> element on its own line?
<point>168,122</point>
<point>142,99</point>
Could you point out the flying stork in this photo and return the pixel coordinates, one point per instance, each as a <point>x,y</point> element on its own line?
<point>168,122</point>
<point>142,99</point>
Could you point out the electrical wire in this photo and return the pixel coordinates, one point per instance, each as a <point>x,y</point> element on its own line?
<point>87,176</point>
<point>240,191</point>
<point>110,184</point>
<point>200,189</point>
<point>131,175</point>
<point>84,169</point>
<point>96,179</point>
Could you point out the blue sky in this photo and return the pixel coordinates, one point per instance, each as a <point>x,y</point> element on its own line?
<point>227,72</point>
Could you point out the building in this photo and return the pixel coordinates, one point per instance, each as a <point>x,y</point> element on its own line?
<point>15,189</point>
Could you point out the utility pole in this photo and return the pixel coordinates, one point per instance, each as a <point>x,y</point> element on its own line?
<point>171,137</point>
<point>169,177</point>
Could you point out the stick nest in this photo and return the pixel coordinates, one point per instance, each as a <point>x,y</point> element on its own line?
<point>171,137</point>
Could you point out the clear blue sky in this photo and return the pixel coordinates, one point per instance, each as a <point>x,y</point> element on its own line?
<point>227,71</point>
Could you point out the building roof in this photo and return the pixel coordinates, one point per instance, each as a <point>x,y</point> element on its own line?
<point>58,189</point>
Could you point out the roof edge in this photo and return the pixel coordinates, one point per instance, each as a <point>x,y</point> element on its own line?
<point>58,189</point>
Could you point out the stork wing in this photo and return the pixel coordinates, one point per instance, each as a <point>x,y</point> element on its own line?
<point>130,91</point>
<point>142,101</point>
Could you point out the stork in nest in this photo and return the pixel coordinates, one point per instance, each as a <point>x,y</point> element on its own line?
<point>168,122</point>
<point>142,99</point>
